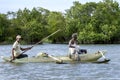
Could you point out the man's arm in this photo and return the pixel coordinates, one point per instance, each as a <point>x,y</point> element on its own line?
<point>23,49</point>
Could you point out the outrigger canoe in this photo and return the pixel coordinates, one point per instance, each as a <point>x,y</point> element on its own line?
<point>89,57</point>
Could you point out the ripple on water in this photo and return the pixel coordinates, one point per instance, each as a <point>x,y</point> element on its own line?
<point>71,71</point>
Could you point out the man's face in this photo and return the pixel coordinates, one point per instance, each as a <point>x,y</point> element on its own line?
<point>18,39</point>
<point>75,38</point>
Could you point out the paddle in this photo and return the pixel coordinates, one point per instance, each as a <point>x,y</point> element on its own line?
<point>59,61</point>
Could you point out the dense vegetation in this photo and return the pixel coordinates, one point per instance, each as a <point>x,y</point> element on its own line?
<point>94,23</point>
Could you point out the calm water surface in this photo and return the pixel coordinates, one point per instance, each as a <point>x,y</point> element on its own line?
<point>53,71</point>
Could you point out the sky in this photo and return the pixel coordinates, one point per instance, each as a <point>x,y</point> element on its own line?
<point>52,5</point>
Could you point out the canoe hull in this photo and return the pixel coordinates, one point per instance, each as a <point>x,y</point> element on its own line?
<point>83,58</point>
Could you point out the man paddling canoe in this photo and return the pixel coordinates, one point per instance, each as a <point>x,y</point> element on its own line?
<point>16,50</point>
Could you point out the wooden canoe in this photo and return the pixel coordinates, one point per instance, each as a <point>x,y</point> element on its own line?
<point>89,57</point>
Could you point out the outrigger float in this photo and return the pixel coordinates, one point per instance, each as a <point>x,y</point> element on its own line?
<point>89,57</point>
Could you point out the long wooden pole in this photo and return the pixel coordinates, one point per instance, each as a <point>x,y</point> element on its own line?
<point>42,40</point>
<point>47,37</point>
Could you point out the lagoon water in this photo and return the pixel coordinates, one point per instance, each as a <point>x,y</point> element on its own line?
<point>53,71</point>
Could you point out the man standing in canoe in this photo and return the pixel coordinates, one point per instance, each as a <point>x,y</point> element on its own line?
<point>16,50</point>
<point>72,47</point>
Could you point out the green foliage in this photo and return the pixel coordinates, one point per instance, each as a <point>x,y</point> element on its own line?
<point>94,23</point>
<point>56,21</point>
<point>4,24</point>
